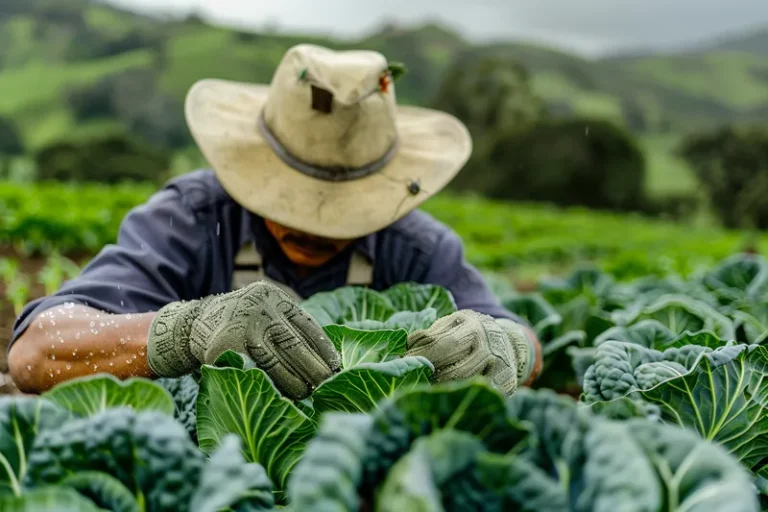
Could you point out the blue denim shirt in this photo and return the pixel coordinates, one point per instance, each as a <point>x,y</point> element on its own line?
<point>181,245</point>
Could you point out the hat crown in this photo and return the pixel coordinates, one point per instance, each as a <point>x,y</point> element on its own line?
<point>332,109</point>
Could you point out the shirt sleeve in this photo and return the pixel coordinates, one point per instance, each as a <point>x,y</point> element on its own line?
<point>450,269</point>
<point>160,256</point>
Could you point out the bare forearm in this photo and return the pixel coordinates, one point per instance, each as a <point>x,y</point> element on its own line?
<point>538,360</point>
<point>69,342</point>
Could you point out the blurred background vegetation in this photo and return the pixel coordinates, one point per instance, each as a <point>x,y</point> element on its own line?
<point>642,163</point>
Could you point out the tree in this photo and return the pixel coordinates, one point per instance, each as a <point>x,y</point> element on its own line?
<point>11,144</point>
<point>491,95</point>
<point>577,161</point>
<point>133,98</point>
<point>112,158</point>
<point>732,165</point>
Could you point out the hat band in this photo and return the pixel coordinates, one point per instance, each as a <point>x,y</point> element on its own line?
<point>326,173</point>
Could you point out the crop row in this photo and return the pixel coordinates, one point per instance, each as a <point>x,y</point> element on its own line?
<point>76,218</point>
<point>18,284</point>
<point>669,377</point>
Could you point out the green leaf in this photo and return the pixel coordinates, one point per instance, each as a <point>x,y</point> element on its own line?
<point>358,346</point>
<point>418,297</point>
<point>412,320</point>
<point>670,469</point>
<point>695,475</point>
<point>739,277</point>
<point>647,333</point>
<point>273,430</point>
<point>21,420</point>
<point>751,322</point>
<point>542,316</point>
<point>149,452</point>
<point>397,70</point>
<point>48,499</point>
<point>352,453</point>
<point>362,388</point>
<point>718,393</point>
<point>680,314</point>
<point>521,485</point>
<point>581,359</point>
<point>331,469</point>
<point>103,490</point>
<point>89,395</point>
<point>559,344</point>
<point>228,479</point>
<point>409,320</point>
<point>232,359</point>
<point>625,408</point>
<point>348,304</point>
<point>435,475</point>
<point>184,391</point>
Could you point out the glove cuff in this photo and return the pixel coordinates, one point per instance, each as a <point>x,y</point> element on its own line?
<point>523,347</point>
<point>168,348</point>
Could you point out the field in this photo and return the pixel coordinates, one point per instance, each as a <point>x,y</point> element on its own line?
<point>59,227</point>
<point>651,399</point>
<point>653,332</point>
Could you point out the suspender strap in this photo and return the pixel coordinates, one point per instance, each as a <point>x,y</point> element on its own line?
<point>249,269</point>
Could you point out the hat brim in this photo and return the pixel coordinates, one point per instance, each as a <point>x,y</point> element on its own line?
<point>222,116</point>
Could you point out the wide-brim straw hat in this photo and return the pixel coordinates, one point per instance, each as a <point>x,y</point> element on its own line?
<point>325,148</point>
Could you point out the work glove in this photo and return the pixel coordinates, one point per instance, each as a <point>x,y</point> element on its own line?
<point>260,320</point>
<point>466,344</point>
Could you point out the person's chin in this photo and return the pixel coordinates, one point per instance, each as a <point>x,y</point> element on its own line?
<point>306,258</point>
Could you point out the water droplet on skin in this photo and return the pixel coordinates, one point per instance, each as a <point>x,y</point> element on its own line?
<point>53,347</point>
<point>101,324</point>
<point>58,333</point>
<point>90,354</point>
<point>111,364</point>
<point>40,325</point>
<point>128,316</point>
<point>29,368</point>
<point>53,322</point>
<point>69,305</point>
<point>128,361</point>
<point>129,338</point>
<point>69,367</point>
<point>94,367</point>
<point>53,357</point>
<point>134,357</point>
<point>87,363</point>
<point>102,351</point>
<point>77,335</point>
<point>141,352</point>
<point>122,341</point>
<point>92,324</point>
<point>58,372</point>
<point>70,316</point>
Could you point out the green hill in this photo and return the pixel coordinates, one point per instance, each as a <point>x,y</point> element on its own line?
<point>51,48</point>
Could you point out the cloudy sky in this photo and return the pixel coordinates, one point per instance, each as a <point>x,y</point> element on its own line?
<point>586,26</point>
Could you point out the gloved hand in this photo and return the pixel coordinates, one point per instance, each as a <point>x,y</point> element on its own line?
<point>466,343</point>
<point>260,320</point>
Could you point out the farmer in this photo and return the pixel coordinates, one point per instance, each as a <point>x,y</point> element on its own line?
<point>315,183</point>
